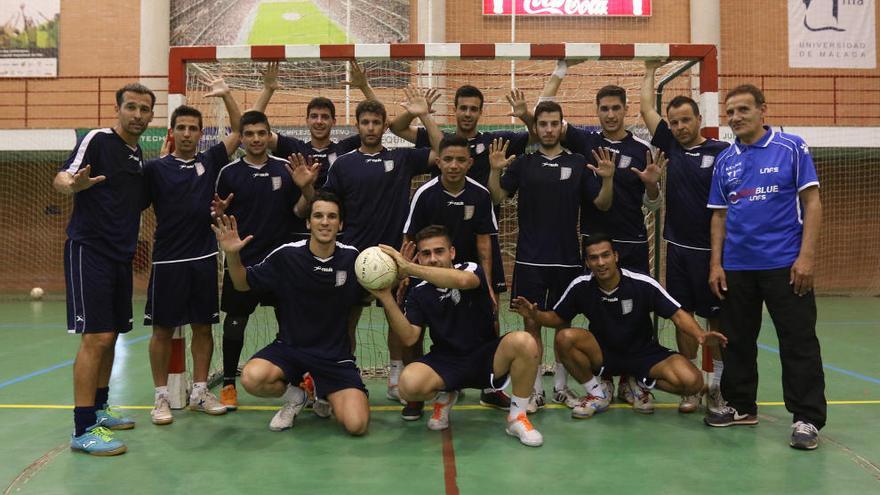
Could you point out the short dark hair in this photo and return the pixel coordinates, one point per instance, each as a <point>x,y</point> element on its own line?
<point>321,102</point>
<point>135,88</point>
<point>548,107</point>
<point>370,106</point>
<point>327,197</point>
<point>468,91</point>
<point>252,117</point>
<point>185,111</point>
<point>611,90</point>
<point>598,238</point>
<point>680,101</point>
<point>432,231</point>
<point>453,140</point>
<point>747,89</point>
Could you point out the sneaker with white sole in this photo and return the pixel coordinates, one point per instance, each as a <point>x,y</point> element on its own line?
<point>804,436</point>
<point>690,403</point>
<point>495,398</point>
<point>625,392</point>
<point>112,419</point>
<point>522,428</point>
<point>536,401</point>
<point>566,396</point>
<point>729,416</point>
<point>283,419</point>
<point>589,406</point>
<point>643,399</point>
<point>714,401</point>
<point>440,418</point>
<point>322,408</point>
<point>97,440</point>
<point>393,394</point>
<point>161,413</point>
<point>206,402</point>
<point>608,385</point>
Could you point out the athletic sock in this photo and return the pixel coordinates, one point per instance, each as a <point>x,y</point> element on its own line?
<point>102,394</point>
<point>560,377</point>
<point>697,362</point>
<point>539,381</point>
<point>161,392</point>
<point>517,406</point>
<point>718,367</point>
<point>83,417</point>
<point>293,394</point>
<point>594,387</point>
<point>394,374</point>
<point>233,342</point>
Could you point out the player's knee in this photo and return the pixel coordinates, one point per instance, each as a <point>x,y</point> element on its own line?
<point>692,381</point>
<point>523,344</point>
<point>411,388</point>
<point>356,424</point>
<point>565,339</point>
<point>253,378</point>
<point>98,341</point>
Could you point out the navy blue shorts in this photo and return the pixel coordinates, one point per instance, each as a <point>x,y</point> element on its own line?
<point>687,280</point>
<point>499,283</point>
<point>329,376</point>
<point>98,291</point>
<point>636,363</point>
<point>182,293</point>
<point>543,285</point>
<point>631,255</point>
<point>238,303</point>
<point>473,370</point>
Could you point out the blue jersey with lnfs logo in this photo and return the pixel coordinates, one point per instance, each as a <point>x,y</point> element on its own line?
<point>758,184</point>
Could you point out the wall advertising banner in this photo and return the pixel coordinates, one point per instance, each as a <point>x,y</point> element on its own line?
<point>832,34</point>
<point>596,8</point>
<point>29,38</point>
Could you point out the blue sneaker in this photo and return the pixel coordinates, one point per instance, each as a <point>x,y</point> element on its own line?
<point>97,440</point>
<point>112,419</point>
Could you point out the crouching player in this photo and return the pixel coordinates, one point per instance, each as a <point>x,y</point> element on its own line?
<point>314,283</point>
<point>618,303</point>
<point>454,302</point>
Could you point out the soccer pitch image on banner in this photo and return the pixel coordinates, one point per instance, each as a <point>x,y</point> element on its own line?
<point>297,22</point>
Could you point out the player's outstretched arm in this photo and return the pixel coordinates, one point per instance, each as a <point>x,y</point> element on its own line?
<point>448,278</point>
<point>270,85</point>
<point>304,172</point>
<point>357,79</point>
<point>530,310</point>
<point>498,161</point>
<point>397,321</point>
<point>519,108</point>
<point>226,230</point>
<point>402,126</point>
<point>650,177</point>
<point>484,253</point>
<point>646,105</point>
<point>219,89</point>
<point>802,270</point>
<point>67,183</point>
<point>418,103</point>
<point>717,278</point>
<point>686,323</point>
<point>605,170</point>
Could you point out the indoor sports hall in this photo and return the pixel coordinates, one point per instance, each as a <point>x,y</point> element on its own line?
<point>61,63</point>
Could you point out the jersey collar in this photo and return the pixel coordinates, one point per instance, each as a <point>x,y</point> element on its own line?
<point>762,143</point>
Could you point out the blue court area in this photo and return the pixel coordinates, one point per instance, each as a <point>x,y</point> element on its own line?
<point>615,452</point>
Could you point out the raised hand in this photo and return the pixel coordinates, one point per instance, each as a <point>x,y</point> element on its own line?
<point>518,105</point>
<point>219,206</point>
<point>82,180</point>
<point>605,161</point>
<point>303,170</point>
<point>270,76</point>
<point>219,88</point>
<point>167,145</point>
<point>357,78</point>
<point>416,102</point>
<point>523,307</point>
<point>653,169</point>
<point>651,65</point>
<point>432,95</point>
<point>498,158</point>
<point>226,230</point>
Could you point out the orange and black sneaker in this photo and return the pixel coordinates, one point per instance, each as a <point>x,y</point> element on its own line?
<point>229,397</point>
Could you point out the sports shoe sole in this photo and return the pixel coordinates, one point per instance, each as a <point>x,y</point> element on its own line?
<point>494,406</point>
<point>747,421</point>
<point>514,435</point>
<point>104,453</point>
<point>160,422</point>
<point>208,411</point>
<point>803,447</point>
<point>124,426</point>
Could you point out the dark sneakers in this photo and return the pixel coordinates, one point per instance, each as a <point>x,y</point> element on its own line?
<point>497,399</point>
<point>729,416</point>
<point>413,411</point>
<point>804,436</point>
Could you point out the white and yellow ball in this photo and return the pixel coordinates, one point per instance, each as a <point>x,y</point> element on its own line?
<point>37,293</point>
<point>375,269</point>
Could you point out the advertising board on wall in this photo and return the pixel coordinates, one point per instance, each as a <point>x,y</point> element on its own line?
<point>594,8</point>
<point>832,34</point>
<point>29,38</point>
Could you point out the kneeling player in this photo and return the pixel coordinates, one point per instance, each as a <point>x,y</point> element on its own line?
<point>618,303</point>
<point>454,302</point>
<point>315,286</point>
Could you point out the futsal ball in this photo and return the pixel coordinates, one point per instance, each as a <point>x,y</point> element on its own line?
<point>375,269</point>
<point>36,293</point>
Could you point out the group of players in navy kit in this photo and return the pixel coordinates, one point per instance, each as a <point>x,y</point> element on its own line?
<point>292,228</point>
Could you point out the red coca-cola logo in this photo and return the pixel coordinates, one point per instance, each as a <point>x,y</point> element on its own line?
<point>629,8</point>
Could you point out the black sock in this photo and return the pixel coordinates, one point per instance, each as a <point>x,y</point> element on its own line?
<point>233,342</point>
<point>83,417</point>
<point>102,395</point>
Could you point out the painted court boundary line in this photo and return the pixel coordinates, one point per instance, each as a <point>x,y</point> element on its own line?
<point>830,367</point>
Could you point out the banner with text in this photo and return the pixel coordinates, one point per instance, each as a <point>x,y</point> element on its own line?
<point>832,34</point>
<point>29,38</point>
<point>595,8</point>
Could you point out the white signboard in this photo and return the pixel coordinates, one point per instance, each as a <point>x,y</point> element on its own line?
<point>838,34</point>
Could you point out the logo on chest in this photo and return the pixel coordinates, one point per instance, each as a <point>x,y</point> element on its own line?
<point>276,183</point>
<point>452,294</point>
<point>341,277</point>
<point>707,161</point>
<point>625,161</point>
<point>626,306</point>
<point>389,165</point>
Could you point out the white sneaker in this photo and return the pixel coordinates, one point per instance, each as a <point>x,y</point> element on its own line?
<point>625,392</point>
<point>522,428</point>
<point>536,401</point>
<point>393,393</point>
<point>161,413</point>
<point>643,399</point>
<point>608,385</point>
<point>589,406</point>
<point>565,396</point>
<point>206,402</point>
<point>690,403</point>
<point>283,419</point>
<point>440,419</point>
<point>322,408</point>
<point>714,401</point>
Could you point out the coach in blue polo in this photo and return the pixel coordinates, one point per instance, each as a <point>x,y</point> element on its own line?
<point>765,226</point>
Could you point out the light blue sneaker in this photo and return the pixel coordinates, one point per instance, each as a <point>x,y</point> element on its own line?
<point>97,440</point>
<point>112,419</point>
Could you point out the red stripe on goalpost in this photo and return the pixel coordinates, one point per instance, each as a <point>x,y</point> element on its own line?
<point>615,51</point>
<point>268,52</point>
<point>407,51</point>
<point>337,52</point>
<point>547,51</point>
<point>477,51</point>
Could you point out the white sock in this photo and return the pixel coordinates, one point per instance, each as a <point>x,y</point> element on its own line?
<point>539,380</point>
<point>294,394</point>
<point>488,390</point>
<point>517,407</point>
<point>560,377</point>
<point>718,367</point>
<point>594,387</point>
<point>162,392</point>
<point>199,387</point>
<point>394,374</point>
<point>697,364</point>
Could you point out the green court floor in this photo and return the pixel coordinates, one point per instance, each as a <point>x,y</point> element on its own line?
<point>616,452</point>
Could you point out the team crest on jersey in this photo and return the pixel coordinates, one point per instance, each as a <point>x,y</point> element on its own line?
<point>200,169</point>
<point>708,161</point>
<point>341,277</point>
<point>564,173</point>
<point>452,294</point>
<point>624,162</point>
<point>389,165</point>
<point>276,183</point>
<point>626,305</point>
<point>468,212</point>
<point>479,148</point>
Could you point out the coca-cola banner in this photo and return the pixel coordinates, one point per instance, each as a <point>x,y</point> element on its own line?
<point>596,8</point>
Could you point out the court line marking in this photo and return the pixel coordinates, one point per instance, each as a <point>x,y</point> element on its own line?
<point>463,407</point>
<point>69,362</point>
<point>35,467</point>
<point>450,474</point>
<point>830,367</point>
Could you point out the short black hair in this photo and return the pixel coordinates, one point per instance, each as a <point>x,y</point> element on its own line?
<point>598,238</point>
<point>321,102</point>
<point>432,231</point>
<point>453,140</point>
<point>611,90</point>
<point>468,91</point>
<point>548,107</point>
<point>327,197</point>
<point>185,111</point>
<point>135,88</point>
<point>370,106</point>
<point>747,89</point>
<point>252,117</point>
<point>680,101</point>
